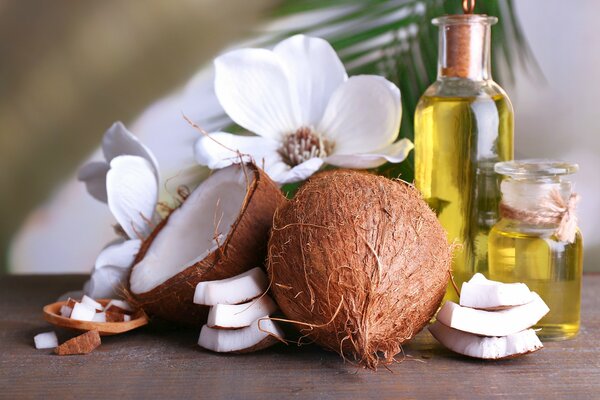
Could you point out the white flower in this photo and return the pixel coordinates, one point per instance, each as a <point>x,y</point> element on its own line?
<point>127,180</point>
<point>111,270</point>
<point>305,110</point>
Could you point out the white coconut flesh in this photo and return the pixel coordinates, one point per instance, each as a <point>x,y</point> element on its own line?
<point>477,346</point>
<point>238,340</point>
<point>194,230</point>
<point>235,290</point>
<point>240,315</point>
<point>493,323</point>
<point>83,312</point>
<point>482,293</point>
<point>88,301</point>
<point>46,340</point>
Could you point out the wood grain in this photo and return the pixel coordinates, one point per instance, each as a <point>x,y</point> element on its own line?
<point>158,361</point>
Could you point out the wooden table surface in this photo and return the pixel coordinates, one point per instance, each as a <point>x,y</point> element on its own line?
<point>165,362</point>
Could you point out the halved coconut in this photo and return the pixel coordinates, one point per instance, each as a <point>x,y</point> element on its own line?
<point>220,231</point>
<point>261,334</point>
<point>491,348</point>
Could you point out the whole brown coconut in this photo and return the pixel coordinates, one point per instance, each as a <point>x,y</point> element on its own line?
<point>233,212</point>
<point>359,262</point>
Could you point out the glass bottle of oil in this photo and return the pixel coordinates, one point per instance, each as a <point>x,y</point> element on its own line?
<point>524,246</point>
<point>463,126</point>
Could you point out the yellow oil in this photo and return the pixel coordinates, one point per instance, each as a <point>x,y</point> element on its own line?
<point>457,142</point>
<point>549,267</point>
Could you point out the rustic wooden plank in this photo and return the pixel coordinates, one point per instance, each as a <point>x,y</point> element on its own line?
<point>164,362</point>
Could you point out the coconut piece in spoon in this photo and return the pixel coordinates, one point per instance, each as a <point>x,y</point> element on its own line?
<point>235,290</point>
<point>262,333</point>
<point>240,315</point>
<point>83,312</point>
<point>88,301</point>
<point>485,294</point>
<point>220,230</point>
<point>493,348</point>
<point>493,323</point>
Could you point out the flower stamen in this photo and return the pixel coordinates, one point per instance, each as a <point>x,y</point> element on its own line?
<point>303,145</point>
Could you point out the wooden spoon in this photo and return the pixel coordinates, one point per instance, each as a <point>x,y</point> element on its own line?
<point>52,315</point>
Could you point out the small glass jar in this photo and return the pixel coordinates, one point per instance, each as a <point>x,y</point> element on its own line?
<point>529,243</point>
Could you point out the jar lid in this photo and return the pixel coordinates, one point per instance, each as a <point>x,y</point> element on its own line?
<point>533,168</point>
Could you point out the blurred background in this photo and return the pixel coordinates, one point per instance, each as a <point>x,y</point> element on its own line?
<point>70,69</point>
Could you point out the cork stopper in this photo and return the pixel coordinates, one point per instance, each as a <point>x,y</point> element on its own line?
<point>464,45</point>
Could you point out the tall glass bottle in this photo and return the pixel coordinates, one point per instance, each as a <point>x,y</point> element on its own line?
<point>463,126</point>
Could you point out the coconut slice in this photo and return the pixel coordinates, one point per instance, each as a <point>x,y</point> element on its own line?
<point>238,289</point>
<point>221,230</point>
<point>493,323</point>
<point>83,312</point>
<point>46,340</point>
<point>242,340</point>
<point>88,301</point>
<point>490,348</point>
<point>240,315</point>
<point>118,306</point>
<point>484,294</point>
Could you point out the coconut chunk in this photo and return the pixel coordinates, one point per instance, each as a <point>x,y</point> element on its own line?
<point>99,317</point>
<point>46,340</point>
<point>66,311</point>
<point>91,303</point>
<point>213,207</point>
<point>241,340</point>
<point>240,315</point>
<point>482,293</point>
<point>118,306</point>
<point>492,348</point>
<point>236,290</point>
<point>493,323</point>
<point>82,344</point>
<point>83,312</point>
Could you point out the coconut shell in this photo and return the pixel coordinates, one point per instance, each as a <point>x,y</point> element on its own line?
<point>244,248</point>
<point>359,262</point>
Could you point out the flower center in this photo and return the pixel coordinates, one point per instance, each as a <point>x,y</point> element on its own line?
<point>303,145</point>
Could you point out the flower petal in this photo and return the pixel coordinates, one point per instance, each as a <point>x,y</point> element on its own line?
<point>93,174</point>
<point>363,115</point>
<point>118,141</point>
<point>314,71</point>
<point>132,194</point>
<point>394,153</point>
<point>300,172</point>
<point>107,283</point>
<point>220,149</point>
<point>120,254</point>
<point>253,88</point>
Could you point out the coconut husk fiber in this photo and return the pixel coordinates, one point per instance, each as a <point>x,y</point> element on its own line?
<point>359,262</point>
